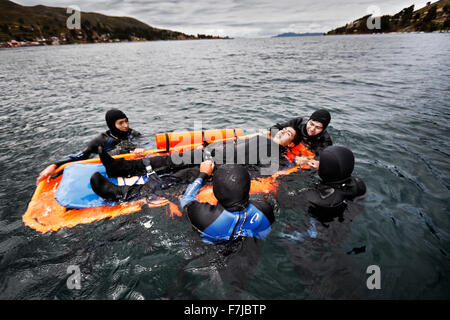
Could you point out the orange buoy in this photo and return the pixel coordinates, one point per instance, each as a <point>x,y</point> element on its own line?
<point>171,140</point>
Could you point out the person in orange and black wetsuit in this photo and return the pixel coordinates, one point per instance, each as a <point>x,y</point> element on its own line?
<point>311,133</point>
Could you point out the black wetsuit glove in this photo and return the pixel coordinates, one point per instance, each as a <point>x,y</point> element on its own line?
<point>121,167</point>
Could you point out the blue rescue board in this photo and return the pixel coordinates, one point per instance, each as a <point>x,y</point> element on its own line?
<point>75,189</point>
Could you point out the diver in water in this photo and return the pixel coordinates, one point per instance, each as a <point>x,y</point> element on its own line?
<point>237,227</point>
<point>235,215</point>
<point>315,246</point>
<point>259,150</point>
<point>120,138</point>
<point>312,133</point>
<point>329,198</point>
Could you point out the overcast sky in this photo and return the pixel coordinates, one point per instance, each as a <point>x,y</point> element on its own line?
<point>238,18</point>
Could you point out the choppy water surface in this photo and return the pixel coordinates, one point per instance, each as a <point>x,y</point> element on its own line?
<point>389,100</point>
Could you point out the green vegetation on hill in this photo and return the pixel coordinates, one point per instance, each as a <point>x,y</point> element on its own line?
<point>35,23</point>
<point>433,17</point>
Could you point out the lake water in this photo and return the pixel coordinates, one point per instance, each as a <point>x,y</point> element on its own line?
<point>389,100</point>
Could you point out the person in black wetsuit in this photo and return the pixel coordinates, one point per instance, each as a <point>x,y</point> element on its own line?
<point>315,247</point>
<point>120,138</point>
<point>312,133</point>
<point>262,151</point>
<point>329,198</point>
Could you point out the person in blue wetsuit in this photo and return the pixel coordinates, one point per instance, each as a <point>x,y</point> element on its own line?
<point>233,232</point>
<point>120,138</point>
<point>235,215</point>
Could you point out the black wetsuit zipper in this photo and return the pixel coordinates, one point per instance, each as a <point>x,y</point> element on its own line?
<point>235,226</point>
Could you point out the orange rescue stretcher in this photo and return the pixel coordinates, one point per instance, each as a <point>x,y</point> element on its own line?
<point>45,214</point>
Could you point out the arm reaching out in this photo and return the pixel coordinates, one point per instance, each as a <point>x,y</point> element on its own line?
<point>47,172</point>
<point>206,169</point>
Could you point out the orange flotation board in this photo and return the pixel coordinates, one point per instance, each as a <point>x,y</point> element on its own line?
<point>45,214</point>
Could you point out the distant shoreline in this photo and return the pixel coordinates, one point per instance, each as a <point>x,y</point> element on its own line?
<point>24,26</point>
<point>434,17</point>
<point>381,33</point>
<point>27,44</point>
<point>293,34</point>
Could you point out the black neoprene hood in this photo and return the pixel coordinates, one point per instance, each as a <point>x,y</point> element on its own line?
<point>323,116</point>
<point>336,164</point>
<point>231,186</point>
<point>111,117</point>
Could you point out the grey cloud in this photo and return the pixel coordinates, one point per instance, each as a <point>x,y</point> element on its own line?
<point>248,18</point>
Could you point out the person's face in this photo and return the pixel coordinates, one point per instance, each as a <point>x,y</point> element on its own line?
<point>285,136</point>
<point>313,127</point>
<point>122,124</point>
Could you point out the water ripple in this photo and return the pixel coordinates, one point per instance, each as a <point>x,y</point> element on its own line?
<point>388,96</point>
